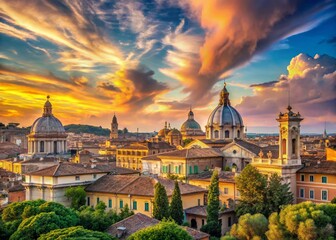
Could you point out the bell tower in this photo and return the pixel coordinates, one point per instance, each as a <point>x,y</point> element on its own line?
<point>114,127</point>
<point>289,136</point>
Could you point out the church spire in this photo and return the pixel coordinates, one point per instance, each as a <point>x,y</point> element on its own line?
<point>190,114</point>
<point>224,97</point>
<point>47,109</point>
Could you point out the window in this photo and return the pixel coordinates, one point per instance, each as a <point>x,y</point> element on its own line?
<point>94,176</point>
<point>177,169</point>
<point>216,134</point>
<point>311,194</point>
<point>293,145</point>
<point>302,177</point>
<point>229,222</point>
<point>146,206</point>
<point>195,169</point>
<point>302,192</point>
<point>190,170</point>
<point>324,179</point>
<point>227,134</point>
<point>121,204</point>
<point>42,146</point>
<point>199,202</point>
<point>110,203</point>
<point>324,195</point>
<point>238,134</point>
<point>77,178</point>
<point>226,190</point>
<point>135,205</point>
<point>202,222</point>
<point>97,200</point>
<point>311,178</point>
<point>88,201</point>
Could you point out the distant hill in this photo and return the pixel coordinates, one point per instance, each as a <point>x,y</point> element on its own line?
<point>79,128</point>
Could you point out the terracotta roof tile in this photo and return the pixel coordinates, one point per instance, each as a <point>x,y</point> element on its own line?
<point>188,153</point>
<point>324,167</point>
<point>198,210</point>
<point>138,185</point>
<point>224,176</point>
<point>66,169</point>
<point>139,221</point>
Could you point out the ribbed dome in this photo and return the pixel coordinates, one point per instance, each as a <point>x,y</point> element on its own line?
<point>225,115</point>
<point>190,123</point>
<point>47,123</point>
<point>174,132</point>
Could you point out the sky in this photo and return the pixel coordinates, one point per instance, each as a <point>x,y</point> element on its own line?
<point>150,61</point>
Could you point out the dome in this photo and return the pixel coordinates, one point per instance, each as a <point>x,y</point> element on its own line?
<point>164,131</point>
<point>190,124</point>
<point>174,132</point>
<point>225,115</point>
<point>47,123</point>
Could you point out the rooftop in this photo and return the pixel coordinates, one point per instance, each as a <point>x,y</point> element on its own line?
<point>321,167</point>
<point>224,176</point>
<point>138,185</point>
<point>188,154</point>
<point>66,169</point>
<point>139,221</point>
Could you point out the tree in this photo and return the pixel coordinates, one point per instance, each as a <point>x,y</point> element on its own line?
<point>304,221</point>
<point>176,207</point>
<point>77,232</point>
<point>252,186</point>
<point>333,200</point>
<point>161,231</point>
<point>249,227</point>
<point>76,195</point>
<point>125,212</point>
<point>277,195</point>
<point>213,227</point>
<point>161,204</point>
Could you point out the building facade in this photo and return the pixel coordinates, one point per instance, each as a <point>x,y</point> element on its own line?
<point>114,128</point>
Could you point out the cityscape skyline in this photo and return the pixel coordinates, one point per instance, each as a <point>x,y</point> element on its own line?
<point>152,60</point>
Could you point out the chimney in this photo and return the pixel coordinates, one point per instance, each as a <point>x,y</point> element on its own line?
<point>121,231</point>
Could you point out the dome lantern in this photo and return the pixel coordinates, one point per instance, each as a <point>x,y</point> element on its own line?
<point>47,110</point>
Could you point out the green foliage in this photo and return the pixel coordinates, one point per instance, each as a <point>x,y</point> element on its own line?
<point>176,207</point>
<point>77,232</point>
<point>259,195</point>
<point>125,212</point>
<point>172,176</point>
<point>333,200</point>
<point>187,141</point>
<point>304,221</point>
<point>76,195</point>
<point>277,195</point>
<point>252,186</point>
<point>161,204</point>
<point>78,128</point>
<point>162,231</point>
<point>250,227</point>
<point>227,168</point>
<point>33,227</point>
<point>14,211</point>
<point>213,227</point>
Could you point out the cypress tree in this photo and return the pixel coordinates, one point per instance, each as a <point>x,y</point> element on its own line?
<point>161,204</point>
<point>176,208</point>
<point>213,227</point>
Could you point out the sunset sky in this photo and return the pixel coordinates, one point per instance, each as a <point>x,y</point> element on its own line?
<point>148,61</point>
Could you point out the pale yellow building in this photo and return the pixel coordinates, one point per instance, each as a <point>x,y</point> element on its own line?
<point>228,192</point>
<point>130,156</point>
<point>138,193</point>
<point>183,162</point>
<point>50,183</point>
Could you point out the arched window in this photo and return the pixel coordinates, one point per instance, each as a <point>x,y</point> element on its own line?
<point>42,146</point>
<point>55,147</point>
<point>283,146</point>
<point>238,134</point>
<point>216,134</point>
<point>227,134</point>
<point>293,146</point>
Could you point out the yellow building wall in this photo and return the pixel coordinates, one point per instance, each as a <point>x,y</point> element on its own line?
<point>232,191</point>
<point>190,200</point>
<point>317,186</point>
<point>331,154</point>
